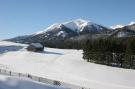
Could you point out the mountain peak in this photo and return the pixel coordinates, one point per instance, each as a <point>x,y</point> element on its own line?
<point>77,25</point>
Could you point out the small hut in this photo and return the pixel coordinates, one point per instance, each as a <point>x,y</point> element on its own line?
<point>35,47</point>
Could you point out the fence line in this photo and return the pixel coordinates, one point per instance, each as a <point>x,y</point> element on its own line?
<point>40,79</point>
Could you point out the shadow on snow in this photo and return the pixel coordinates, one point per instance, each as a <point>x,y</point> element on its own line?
<point>4,49</point>
<point>48,52</point>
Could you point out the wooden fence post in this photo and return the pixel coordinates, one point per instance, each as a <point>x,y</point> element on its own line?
<point>10,73</point>
<point>19,74</point>
<point>39,79</point>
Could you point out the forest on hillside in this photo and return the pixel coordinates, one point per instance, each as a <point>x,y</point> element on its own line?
<point>118,52</point>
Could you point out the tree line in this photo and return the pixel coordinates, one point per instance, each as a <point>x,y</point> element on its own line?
<point>118,52</point>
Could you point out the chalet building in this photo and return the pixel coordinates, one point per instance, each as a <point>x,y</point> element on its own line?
<point>35,47</point>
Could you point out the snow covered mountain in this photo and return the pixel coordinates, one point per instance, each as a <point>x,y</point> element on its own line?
<point>121,25</point>
<point>124,31</point>
<point>78,26</point>
<point>76,30</point>
<point>62,31</point>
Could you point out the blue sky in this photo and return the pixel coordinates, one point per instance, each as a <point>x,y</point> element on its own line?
<point>20,17</point>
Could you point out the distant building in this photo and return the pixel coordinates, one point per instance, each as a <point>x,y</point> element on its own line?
<point>35,47</point>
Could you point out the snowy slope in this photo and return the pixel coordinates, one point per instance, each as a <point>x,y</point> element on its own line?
<point>68,66</point>
<point>79,24</point>
<point>7,82</point>
<point>117,26</point>
<point>76,25</point>
<point>121,25</point>
<point>124,30</point>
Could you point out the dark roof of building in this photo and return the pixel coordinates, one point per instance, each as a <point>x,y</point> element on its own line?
<point>37,45</point>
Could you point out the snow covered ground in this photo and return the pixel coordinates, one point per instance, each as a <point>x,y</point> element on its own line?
<point>67,66</point>
<point>7,82</point>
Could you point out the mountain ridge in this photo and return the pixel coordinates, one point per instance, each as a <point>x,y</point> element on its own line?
<point>78,29</point>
